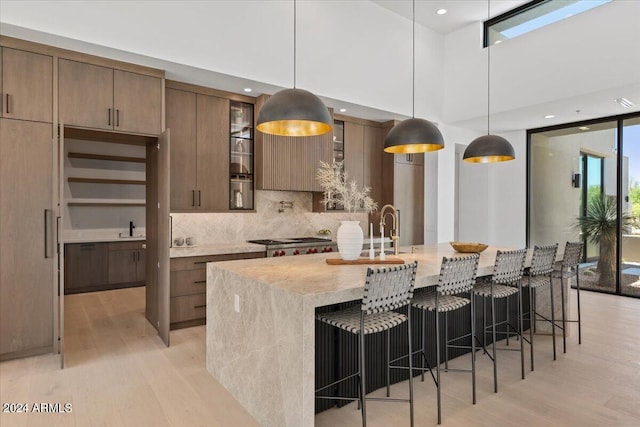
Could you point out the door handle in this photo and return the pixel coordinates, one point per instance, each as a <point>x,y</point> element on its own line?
<point>7,109</point>
<point>47,220</point>
<point>199,198</point>
<point>109,117</point>
<point>117,117</point>
<point>193,198</point>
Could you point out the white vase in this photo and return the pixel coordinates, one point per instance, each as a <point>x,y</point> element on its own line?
<point>350,239</point>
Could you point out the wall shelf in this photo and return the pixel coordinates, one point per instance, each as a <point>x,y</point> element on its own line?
<point>107,181</point>
<point>106,157</point>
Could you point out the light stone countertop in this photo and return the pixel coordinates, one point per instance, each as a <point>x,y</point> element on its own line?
<point>214,249</point>
<point>89,239</point>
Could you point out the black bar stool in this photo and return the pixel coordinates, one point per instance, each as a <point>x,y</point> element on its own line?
<point>567,269</point>
<point>457,276</point>
<point>538,276</point>
<point>505,281</point>
<point>385,290</point>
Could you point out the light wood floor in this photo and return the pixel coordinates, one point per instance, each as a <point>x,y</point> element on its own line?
<point>119,373</point>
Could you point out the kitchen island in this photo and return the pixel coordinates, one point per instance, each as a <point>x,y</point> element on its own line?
<point>261,324</point>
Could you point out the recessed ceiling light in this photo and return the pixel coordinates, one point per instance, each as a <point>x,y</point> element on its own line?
<point>247,89</point>
<point>343,110</point>
<point>624,102</point>
<point>441,11</point>
<point>549,116</point>
<point>583,128</point>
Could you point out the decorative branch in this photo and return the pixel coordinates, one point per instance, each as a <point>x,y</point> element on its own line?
<point>339,190</point>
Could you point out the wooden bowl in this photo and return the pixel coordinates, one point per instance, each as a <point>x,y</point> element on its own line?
<point>465,247</point>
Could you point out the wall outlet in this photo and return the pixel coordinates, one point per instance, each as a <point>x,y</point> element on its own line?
<point>236,303</point>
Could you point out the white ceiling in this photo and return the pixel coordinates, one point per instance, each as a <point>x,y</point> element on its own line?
<point>460,13</point>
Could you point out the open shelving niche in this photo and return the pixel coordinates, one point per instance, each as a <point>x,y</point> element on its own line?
<point>241,177</point>
<point>104,187</point>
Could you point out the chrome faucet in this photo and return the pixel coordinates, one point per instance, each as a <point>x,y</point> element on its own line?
<point>395,234</point>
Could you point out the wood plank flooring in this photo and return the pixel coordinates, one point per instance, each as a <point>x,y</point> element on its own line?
<point>119,373</point>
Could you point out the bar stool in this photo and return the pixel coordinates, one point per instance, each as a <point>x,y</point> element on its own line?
<point>505,281</point>
<point>538,276</point>
<point>457,276</point>
<point>385,290</point>
<point>567,269</point>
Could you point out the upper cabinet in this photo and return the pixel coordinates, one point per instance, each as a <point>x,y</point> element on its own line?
<point>363,150</point>
<point>99,97</point>
<point>26,85</point>
<point>199,127</point>
<point>288,162</point>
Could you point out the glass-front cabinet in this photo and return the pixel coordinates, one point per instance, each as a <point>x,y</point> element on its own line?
<point>241,185</point>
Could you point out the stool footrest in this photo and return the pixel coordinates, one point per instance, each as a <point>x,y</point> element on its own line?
<point>387,399</point>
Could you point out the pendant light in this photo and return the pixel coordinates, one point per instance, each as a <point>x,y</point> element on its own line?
<point>413,135</point>
<point>489,148</point>
<point>294,112</point>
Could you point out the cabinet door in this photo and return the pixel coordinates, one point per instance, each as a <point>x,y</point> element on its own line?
<point>137,100</point>
<point>86,265</point>
<point>181,120</point>
<point>354,152</point>
<point>85,95</point>
<point>27,85</point>
<point>26,275</point>
<point>373,149</point>
<point>141,274</point>
<point>213,153</point>
<point>123,266</point>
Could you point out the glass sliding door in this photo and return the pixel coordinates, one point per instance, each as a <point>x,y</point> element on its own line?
<point>573,196</point>
<point>630,263</point>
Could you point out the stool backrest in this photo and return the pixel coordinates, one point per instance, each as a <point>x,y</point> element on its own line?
<point>389,288</point>
<point>509,266</point>
<point>458,274</point>
<point>572,255</point>
<point>543,259</point>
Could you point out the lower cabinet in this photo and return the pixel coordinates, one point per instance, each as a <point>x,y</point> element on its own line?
<point>101,266</point>
<point>189,287</point>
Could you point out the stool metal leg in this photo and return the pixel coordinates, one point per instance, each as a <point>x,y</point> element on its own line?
<point>578,293</point>
<point>484,323</point>
<point>410,367</point>
<point>553,320</point>
<point>532,315</point>
<point>389,358</point>
<point>423,321</point>
<point>521,328</point>
<point>362,371</point>
<point>493,333</point>
<point>446,341</point>
<point>507,326</point>
<point>473,347</point>
<point>564,317</point>
<point>438,362</point>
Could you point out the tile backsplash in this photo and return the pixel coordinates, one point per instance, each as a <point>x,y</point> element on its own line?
<point>266,222</point>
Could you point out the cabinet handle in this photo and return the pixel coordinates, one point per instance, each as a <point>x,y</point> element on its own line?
<point>200,262</point>
<point>134,256</point>
<point>199,198</point>
<point>138,256</point>
<point>117,117</point>
<point>46,232</point>
<point>7,110</point>
<point>199,282</point>
<point>193,198</point>
<point>109,117</point>
<point>200,306</point>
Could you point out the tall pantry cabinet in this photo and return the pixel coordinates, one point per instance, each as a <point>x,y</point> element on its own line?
<point>26,204</point>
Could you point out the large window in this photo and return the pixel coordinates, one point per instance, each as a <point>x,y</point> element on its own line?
<point>533,15</point>
<point>584,185</point>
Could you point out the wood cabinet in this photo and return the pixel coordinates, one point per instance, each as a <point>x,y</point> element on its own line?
<point>86,266</point>
<point>100,266</point>
<point>126,262</point>
<point>373,150</point>
<point>354,151</point>
<point>103,98</point>
<point>189,287</point>
<point>199,127</point>
<point>26,238</point>
<point>27,85</point>
<point>289,163</point>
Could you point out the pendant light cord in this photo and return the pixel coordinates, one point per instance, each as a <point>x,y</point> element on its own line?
<point>294,43</point>
<point>413,81</point>
<point>488,73</point>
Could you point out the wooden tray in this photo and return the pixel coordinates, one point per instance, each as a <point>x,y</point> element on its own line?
<point>363,261</point>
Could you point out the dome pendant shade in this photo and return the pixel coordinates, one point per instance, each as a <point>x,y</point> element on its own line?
<point>294,112</point>
<point>489,149</point>
<point>413,136</point>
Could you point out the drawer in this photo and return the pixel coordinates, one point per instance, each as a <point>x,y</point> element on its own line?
<point>188,282</point>
<point>125,246</point>
<point>188,307</point>
<point>251,255</point>
<point>197,262</point>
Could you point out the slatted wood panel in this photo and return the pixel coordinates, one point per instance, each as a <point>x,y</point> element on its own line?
<point>289,163</point>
